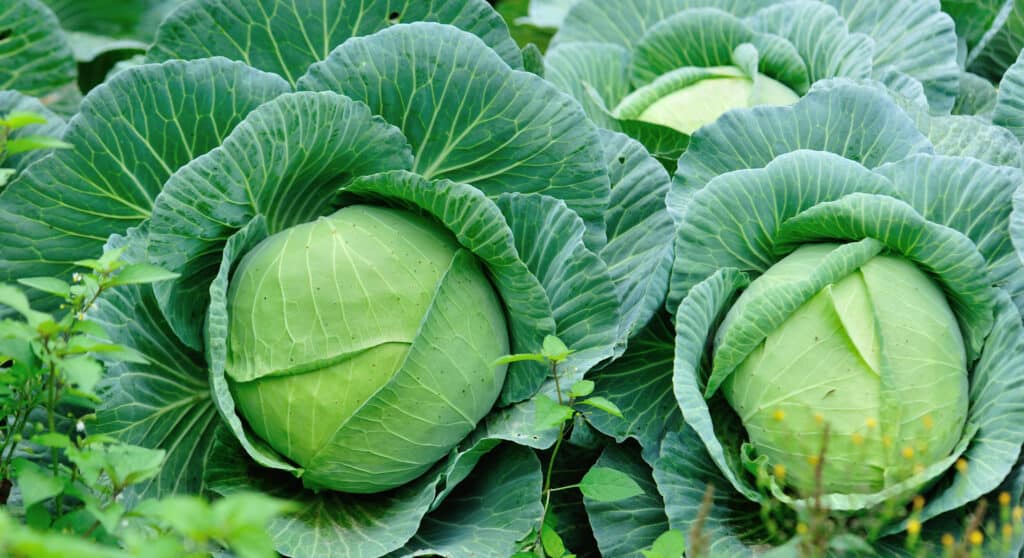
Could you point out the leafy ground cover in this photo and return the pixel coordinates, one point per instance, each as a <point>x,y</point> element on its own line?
<point>637,278</point>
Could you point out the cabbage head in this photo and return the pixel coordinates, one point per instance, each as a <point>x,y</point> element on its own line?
<point>846,303</point>
<point>660,70</point>
<point>322,318</point>
<point>876,353</point>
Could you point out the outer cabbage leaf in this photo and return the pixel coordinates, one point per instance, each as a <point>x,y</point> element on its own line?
<point>287,37</point>
<point>538,139</point>
<point>626,527</point>
<point>64,210</point>
<point>35,57</point>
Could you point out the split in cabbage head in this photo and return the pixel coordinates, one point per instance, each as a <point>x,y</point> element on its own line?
<point>853,286</point>
<point>659,70</point>
<point>496,210</point>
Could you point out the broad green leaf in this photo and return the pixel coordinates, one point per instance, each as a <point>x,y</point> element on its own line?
<point>579,287</point>
<point>992,29</point>
<point>640,384</point>
<point>946,253</point>
<point>972,197</point>
<point>821,37</point>
<point>1009,106</point>
<point>709,37</point>
<point>116,18</point>
<point>595,74</point>
<point>50,285</point>
<point>639,228</point>
<point>35,483</point>
<point>488,513</point>
<point>615,21</point>
<point>507,486</point>
<point>35,55</point>
<point>549,413</point>
<point>870,130</point>
<point>329,524</point>
<point>683,473</point>
<point>566,514</point>
<point>163,403</point>
<point>201,206</point>
<point>216,335</point>
<point>624,527</point>
<point>718,230</point>
<point>124,152</point>
<point>604,484</point>
<point>973,17</point>
<point>286,38</point>
<point>713,421</point>
<point>472,120</point>
<point>913,37</point>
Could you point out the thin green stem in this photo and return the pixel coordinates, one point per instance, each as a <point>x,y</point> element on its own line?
<point>558,387</point>
<point>547,477</point>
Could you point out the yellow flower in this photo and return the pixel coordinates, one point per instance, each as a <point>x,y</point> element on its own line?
<point>976,538</point>
<point>928,421</point>
<point>961,465</point>
<point>918,502</point>
<point>948,540</point>
<point>908,452</point>
<point>871,422</point>
<point>780,472</point>
<point>913,527</point>
<point>778,415</point>
<point>813,460</point>
<point>801,528</point>
<point>857,438</point>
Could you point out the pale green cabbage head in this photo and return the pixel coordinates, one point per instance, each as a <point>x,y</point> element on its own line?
<point>324,317</point>
<point>877,355</point>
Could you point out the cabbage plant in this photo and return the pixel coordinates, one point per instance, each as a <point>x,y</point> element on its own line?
<point>358,238</point>
<point>865,300</point>
<point>660,70</point>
